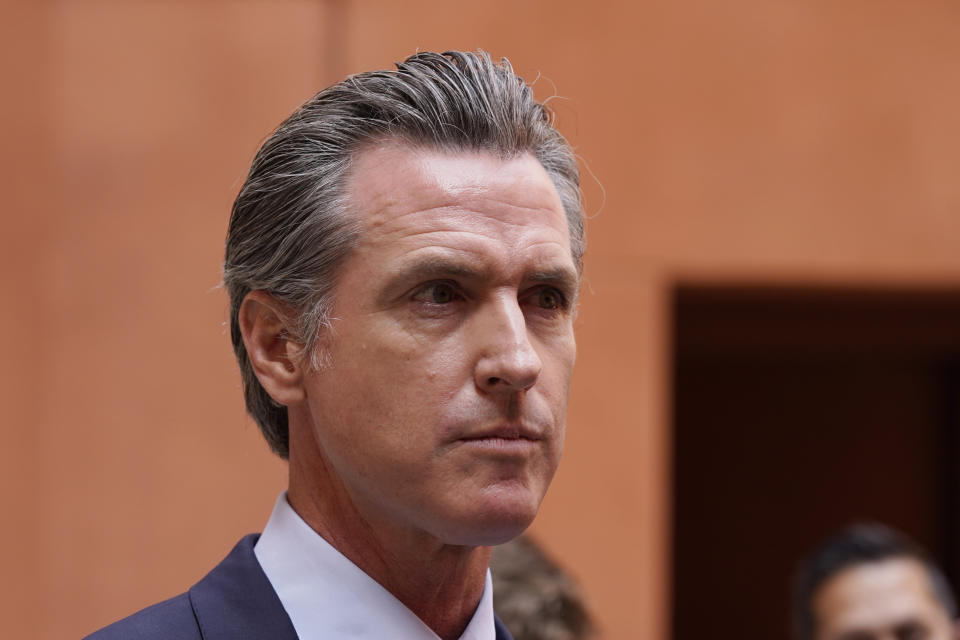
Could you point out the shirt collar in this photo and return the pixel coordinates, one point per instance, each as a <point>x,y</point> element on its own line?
<point>326,595</point>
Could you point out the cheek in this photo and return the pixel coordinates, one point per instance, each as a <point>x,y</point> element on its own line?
<point>438,369</point>
<point>557,373</point>
<point>390,385</point>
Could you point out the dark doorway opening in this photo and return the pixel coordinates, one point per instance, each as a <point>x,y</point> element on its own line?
<point>798,411</point>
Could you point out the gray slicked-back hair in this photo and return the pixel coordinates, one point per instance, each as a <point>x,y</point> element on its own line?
<point>290,228</point>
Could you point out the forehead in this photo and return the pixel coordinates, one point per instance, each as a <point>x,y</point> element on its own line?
<point>876,595</point>
<point>414,195</point>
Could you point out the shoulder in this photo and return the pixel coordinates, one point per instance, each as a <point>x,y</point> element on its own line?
<point>235,600</point>
<point>171,619</point>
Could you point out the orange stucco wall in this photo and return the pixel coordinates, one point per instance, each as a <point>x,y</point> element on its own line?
<point>779,142</point>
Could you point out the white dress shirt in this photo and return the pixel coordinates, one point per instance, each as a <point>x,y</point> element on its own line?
<point>327,596</point>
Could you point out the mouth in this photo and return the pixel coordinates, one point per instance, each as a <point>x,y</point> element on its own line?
<point>505,439</point>
<point>506,432</point>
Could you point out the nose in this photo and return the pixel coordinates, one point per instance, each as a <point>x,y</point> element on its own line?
<point>507,360</point>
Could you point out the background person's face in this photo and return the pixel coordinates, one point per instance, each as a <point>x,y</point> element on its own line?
<point>886,600</point>
<point>453,334</point>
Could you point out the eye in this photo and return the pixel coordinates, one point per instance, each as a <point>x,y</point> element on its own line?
<point>912,630</point>
<point>436,293</point>
<point>549,298</point>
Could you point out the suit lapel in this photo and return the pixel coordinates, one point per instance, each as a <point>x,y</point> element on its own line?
<point>235,601</point>
<point>502,633</point>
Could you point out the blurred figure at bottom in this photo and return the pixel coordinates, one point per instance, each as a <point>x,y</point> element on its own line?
<point>534,597</point>
<point>870,582</point>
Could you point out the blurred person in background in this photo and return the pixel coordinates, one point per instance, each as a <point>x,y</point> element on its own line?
<point>403,263</point>
<point>870,582</point>
<point>534,597</point>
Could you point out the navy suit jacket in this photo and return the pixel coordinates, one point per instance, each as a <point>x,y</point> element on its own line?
<point>235,601</point>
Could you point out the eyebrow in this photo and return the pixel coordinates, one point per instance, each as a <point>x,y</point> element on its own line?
<point>562,277</point>
<point>434,267</point>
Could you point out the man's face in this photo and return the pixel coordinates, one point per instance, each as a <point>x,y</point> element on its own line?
<point>887,600</point>
<point>443,406</point>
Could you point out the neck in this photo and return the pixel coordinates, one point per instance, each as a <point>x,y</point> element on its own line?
<point>442,584</point>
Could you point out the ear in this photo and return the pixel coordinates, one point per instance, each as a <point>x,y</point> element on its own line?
<point>274,356</point>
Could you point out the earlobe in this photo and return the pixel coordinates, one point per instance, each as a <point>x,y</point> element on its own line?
<point>274,357</point>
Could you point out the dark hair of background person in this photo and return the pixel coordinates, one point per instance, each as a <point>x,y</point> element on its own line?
<point>858,544</point>
<point>534,597</point>
<point>291,229</point>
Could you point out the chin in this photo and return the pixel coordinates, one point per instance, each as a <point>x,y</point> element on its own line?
<point>492,523</point>
<point>486,535</point>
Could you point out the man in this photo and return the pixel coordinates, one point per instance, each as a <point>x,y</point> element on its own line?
<point>871,583</point>
<point>403,265</point>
